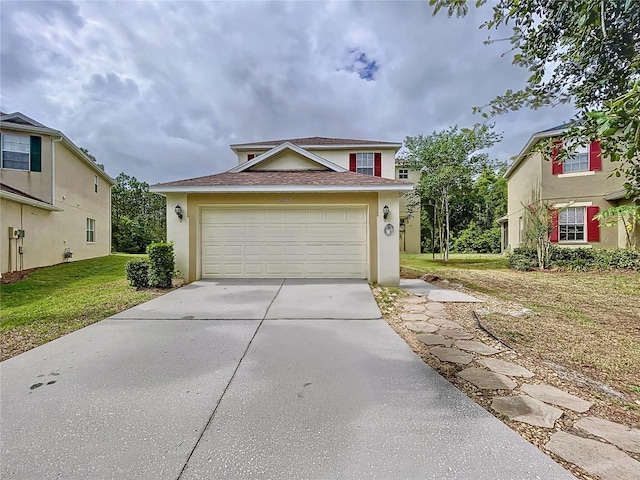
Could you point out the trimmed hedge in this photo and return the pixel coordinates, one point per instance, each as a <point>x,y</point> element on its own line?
<point>161,264</point>
<point>137,272</point>
<point>578,259</point>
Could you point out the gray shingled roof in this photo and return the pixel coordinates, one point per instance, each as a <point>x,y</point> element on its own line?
<point>319,141</point>
<point>285,178</point>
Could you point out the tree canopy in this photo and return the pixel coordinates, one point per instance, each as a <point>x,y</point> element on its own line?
<point>138,216</point>
<point>585,52</point>
<point>448,162</point>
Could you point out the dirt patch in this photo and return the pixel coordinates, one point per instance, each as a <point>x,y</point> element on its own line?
<point>11,277</point>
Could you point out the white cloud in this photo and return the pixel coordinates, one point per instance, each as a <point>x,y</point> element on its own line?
<point>160,89</point>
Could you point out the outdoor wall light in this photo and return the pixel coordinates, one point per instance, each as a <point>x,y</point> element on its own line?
<point>385,211</point>
<point>178,211</point>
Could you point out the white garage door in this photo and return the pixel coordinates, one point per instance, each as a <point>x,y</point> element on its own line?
<point>292,242</point>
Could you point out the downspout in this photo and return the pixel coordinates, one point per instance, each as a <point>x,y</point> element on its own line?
<point>54,140</point>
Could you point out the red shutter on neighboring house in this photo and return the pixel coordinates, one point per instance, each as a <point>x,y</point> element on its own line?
<point>554,235</point>
<point>352,162</point>
<point>251,156</point>
<point>556,166</point>
<point>377,164</point>
<point>595,157</point>
<point>593,226</point>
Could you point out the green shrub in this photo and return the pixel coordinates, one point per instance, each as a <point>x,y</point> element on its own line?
<point>161,264</point>
<point>137,271</point>
<point>523,259</point>
<point>474,239</point>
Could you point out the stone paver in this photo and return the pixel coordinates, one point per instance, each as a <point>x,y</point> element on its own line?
<point>597,458</point>
<point>416,300</point>
<point>505,368</point>
<point>526,409</point>
<point>423,327</point>
<point>452,355</point>
<point>487,380</point>
<point>445,323</point>
<point>415,308</point>
<point>428,339</point>
<point>623,437</point>
<point>555,396</point>
<point>476,347</point>
<point>451,296</point>
<point>414,317</point>
<point>456,334</point>
<point>435,307</point>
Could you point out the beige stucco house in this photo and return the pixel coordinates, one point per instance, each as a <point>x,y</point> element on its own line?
<point>302,208</point>
<point>579,187</point>
<point>53,198</point>
<point>410,231</point>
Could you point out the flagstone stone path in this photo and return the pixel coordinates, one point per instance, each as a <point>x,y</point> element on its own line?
<point>595,445</point>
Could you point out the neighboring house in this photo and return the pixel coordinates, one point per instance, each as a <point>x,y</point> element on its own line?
<point>302,208</point>
<point>53,198</point>
<point>579,187</point>
<point>410,239</point>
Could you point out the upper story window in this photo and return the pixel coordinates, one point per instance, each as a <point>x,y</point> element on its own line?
<point>21,152</point>
<point>95,183</point>
<point>16,151</point>
<point>403,173</point>
<point>584,161</point>
<point>364,163</point>
<point>571,224</point>
<point>579,162</point>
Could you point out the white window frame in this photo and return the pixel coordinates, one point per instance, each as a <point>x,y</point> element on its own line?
<point>570,229</point>
<point>578,162</point>
<point>365,163</point>
<point>91,230</point>
<point>95,183</point>
<point>11,148</point>
<point>403,173</point>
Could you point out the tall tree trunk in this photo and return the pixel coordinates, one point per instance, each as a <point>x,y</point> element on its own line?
<point>448,233</point>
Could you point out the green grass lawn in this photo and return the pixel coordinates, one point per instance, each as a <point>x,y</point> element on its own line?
<point>53,301</point>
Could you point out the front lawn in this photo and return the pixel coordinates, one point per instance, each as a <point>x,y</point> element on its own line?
<point>589,322</point>
<point>54,301</point>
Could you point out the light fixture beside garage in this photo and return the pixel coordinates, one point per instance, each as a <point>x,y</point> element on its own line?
<point>385,211</point>
<point>178,211</point>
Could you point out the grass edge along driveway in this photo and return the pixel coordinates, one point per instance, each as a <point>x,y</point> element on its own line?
<point>53,301</point>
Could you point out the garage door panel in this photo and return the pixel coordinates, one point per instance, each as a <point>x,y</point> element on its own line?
<point>314,241</point>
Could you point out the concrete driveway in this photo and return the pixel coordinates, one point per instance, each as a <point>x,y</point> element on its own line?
<point>248,379</point>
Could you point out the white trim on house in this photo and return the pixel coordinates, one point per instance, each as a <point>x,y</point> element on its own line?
<point>584,173</point>
<point>572,204</point>
<point>280,148</point>
<point>281,188</point>
<point>29,201</point>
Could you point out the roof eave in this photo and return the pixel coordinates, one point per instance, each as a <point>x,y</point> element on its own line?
<point>28,201</point>
<point>280,188</point>
<point>535,138</point>
<point>256,146</point>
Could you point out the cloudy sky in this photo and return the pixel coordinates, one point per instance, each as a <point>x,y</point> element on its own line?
<point>159,90</point>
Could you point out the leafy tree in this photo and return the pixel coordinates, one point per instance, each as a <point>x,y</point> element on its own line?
<point>138,217</point>
<point>581,51</point>
<point>540,220</point>
<point>629,215</point>
<point>448,161</point>
<point>88,154</point>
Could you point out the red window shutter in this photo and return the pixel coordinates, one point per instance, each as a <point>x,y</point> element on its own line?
<point>377,164</point>
<point>593,226</point>
<point>251,156</point>
<point>555,231</point>
<point>556,166</point>
<point>595,157</point>
<point>352,162</point>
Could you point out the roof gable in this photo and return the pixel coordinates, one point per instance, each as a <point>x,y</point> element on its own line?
<point>20,119</point>
<point>305,156</point>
